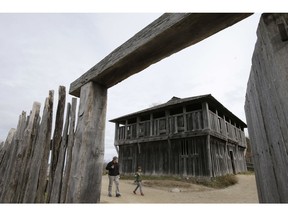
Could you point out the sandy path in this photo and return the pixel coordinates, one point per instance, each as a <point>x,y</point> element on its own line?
<point>243,192</point>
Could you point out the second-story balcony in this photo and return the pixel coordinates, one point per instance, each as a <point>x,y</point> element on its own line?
<point>187,122</point>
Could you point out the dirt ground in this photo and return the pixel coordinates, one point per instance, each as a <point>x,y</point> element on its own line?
<point>243,192</point>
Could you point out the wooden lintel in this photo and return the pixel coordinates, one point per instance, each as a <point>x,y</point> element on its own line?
<point>168,34</point>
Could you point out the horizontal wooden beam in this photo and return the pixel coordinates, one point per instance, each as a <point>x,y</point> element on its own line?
<point>168,34</point>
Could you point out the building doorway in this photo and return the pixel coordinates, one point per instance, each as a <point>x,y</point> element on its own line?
<point>232,161</point>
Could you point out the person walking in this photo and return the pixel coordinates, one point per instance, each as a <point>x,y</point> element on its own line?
<point>114,176</point>
<point>138,181</point>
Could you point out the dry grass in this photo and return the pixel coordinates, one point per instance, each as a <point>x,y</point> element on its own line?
<point>172,181</point>
<point>221,181</point>
<point>166,184</point>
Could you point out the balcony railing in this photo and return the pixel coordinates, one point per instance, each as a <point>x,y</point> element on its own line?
<point>189,121</point>
<point>225,128</point>
<point>184,122</point>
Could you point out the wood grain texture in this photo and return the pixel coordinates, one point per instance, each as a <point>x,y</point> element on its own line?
<point>266,110</point>
<point>88,150</point>
<point>166,35</point>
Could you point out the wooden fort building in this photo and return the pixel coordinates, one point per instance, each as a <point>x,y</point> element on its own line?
<point>194,136</point>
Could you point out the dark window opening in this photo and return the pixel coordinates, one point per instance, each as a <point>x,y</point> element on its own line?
<point>193,107</point>
<point>177,110</point>
<point>159,115</point>
<point>145,118</point>
<point>131,121</point>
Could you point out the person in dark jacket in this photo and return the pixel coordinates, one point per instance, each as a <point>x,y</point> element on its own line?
<point>114,176</point>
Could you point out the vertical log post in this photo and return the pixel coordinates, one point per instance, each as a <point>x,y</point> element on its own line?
<point>28,158</point>
<point>4,158</point>
<point>24,155</point>
<point>16,147</point>
<point>57,180</point>
<point>206,116</point>
<point>69,151</point>
<point>116,137</point>
<point>88,150</point>
<point>209,160</point>
<point>39,162</point>
<point>57,136</point>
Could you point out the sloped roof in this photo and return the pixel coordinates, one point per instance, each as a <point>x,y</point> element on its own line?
<point>175,101</point>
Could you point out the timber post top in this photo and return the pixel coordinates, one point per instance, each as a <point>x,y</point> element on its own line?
<point>168,34</point>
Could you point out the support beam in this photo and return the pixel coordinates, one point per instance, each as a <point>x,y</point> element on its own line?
<point>88,151</point>
<point>168,34</point>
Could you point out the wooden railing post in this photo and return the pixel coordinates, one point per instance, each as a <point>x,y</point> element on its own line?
<point>206,116</point>
<point>88,151</point>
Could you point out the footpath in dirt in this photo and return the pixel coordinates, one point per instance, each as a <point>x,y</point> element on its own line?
<point>244,191</point>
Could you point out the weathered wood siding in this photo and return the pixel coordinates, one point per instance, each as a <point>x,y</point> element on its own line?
<point>227,158</point>
<point>184,157</point>
<point>226,129</point>
<point>172,124</point>
<point>182,141</point>
<point>266,108</point>
<point>192,156</point>
<point>173,157</point>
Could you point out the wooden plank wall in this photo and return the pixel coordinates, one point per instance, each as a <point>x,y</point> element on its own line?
<point>172,157</point>
<point>186,157</point>
<point>266,108</point>
<point>24,157</point>
<point>222,160</point>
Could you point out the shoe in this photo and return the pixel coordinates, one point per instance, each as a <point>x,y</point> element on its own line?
<point>134,192</point>
<point>118,195</point>
<point>109,195</point>
<point>142,194</point>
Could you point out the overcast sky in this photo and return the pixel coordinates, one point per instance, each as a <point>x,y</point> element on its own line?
<point>40,52</point>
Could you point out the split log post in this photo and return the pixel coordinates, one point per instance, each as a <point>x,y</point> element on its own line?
<point>30,138</point>
<point>40,156</point>
<point>88,151</point>
<point>57,181</point>
<point>57,136</point>
<point>9,181</point>
<point>69,151</point>
<point>4,157</point>
<point>20,163</point>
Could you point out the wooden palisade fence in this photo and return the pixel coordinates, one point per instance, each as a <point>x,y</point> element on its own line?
<point>33,167</point>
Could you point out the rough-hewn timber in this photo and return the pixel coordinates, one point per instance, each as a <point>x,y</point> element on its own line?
<point>57,138</point>
<point>57,182</point>
<point>36,183</point>
<point>88,150</point>
<point>166,35</point>
<point>266,108</point>
<point>5,153</point>
<point>10,177</point>
<point>66,175</point>
<point>24,155</point>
